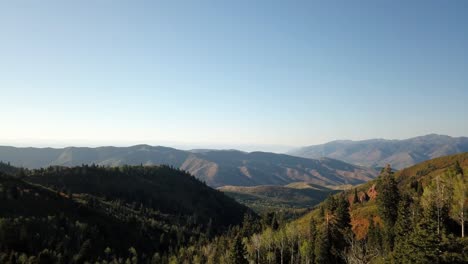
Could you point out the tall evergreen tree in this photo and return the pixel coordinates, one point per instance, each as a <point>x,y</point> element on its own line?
<point>374,236</point>
<point>237,252</point>
<point>355,197</point>
<point>403,229</point>
<point>458,168</point>
<point>424,243</point>
<point>322,245</point>
<point>312,237</point>
<point>387,201</point>
<point>340,228</point>
<point>458,208</point>
<point>342,216</point>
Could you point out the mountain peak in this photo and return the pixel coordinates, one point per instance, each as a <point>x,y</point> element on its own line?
<point>379,152</point>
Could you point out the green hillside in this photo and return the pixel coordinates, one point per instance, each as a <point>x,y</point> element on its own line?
<point>159,187</point>
<point>267,198</point>
<point>408,179</point>
<point>416,215</point>
<point>419,184</point>
<point>90,213</point>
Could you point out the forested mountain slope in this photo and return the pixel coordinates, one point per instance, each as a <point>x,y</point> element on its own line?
<point>416,215</point>
<point>91,213</point>
<point>159,187</point>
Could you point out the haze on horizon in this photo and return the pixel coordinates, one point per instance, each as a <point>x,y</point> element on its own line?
<point>266,74</point>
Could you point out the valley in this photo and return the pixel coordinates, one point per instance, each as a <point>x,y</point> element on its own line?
<point>169,216</point>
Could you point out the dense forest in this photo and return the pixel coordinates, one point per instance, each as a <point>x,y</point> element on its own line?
<point>137,214</point>
<point>92,214</point>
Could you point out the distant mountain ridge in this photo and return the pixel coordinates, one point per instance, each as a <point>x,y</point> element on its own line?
<point>215,167</point>
<point>379,152</point>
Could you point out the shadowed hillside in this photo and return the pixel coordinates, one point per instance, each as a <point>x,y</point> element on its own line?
<point>78,214</point>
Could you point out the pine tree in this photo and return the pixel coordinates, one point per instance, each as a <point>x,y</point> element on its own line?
<point>312,237</point>
<point>248,226</point>
<point>238,252</point>
<point>424,242</point>
<point>387,201</point>
<point>322,212</point>
<point>374,236</point>
<point>340,228</point>
<point>460,198</point>
<point>388,197</point>
<point>458,168</point>
<point>403,228</point>
<point>342,216</point>
<point>355,198</point>
<point>322,245</point>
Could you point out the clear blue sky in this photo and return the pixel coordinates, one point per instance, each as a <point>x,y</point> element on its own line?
<point>231,73</point>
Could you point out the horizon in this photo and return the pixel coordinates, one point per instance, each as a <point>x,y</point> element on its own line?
<point>279,149</point>
<point>268,74</point>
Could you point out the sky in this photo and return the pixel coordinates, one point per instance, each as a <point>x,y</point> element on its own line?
<point>265,75</point>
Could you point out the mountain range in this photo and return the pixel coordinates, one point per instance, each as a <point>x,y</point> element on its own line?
<point>379,152</point>
<point>215,167</point>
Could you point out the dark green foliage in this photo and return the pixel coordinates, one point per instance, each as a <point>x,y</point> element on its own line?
<point>403,230</point>
<point>374,236</point>
<point>388,197</point>
<point>419,189</point>
<point>250,225</point>
<point>160,188</point>
<point>343,219</point>
<point>237,253</point>
<point>458,169</point>
<point>110,211</point>
<point>454,250</point>
<point>340,228</point>
<point>46,257</point>
<point>329,239</point>
<point>322,246</point>
<point>424,243</point>
<point>404,224</point>
<point>387,200</point>
<point>355,197</point>
<point>321,212</point>
<point>313,236</point>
